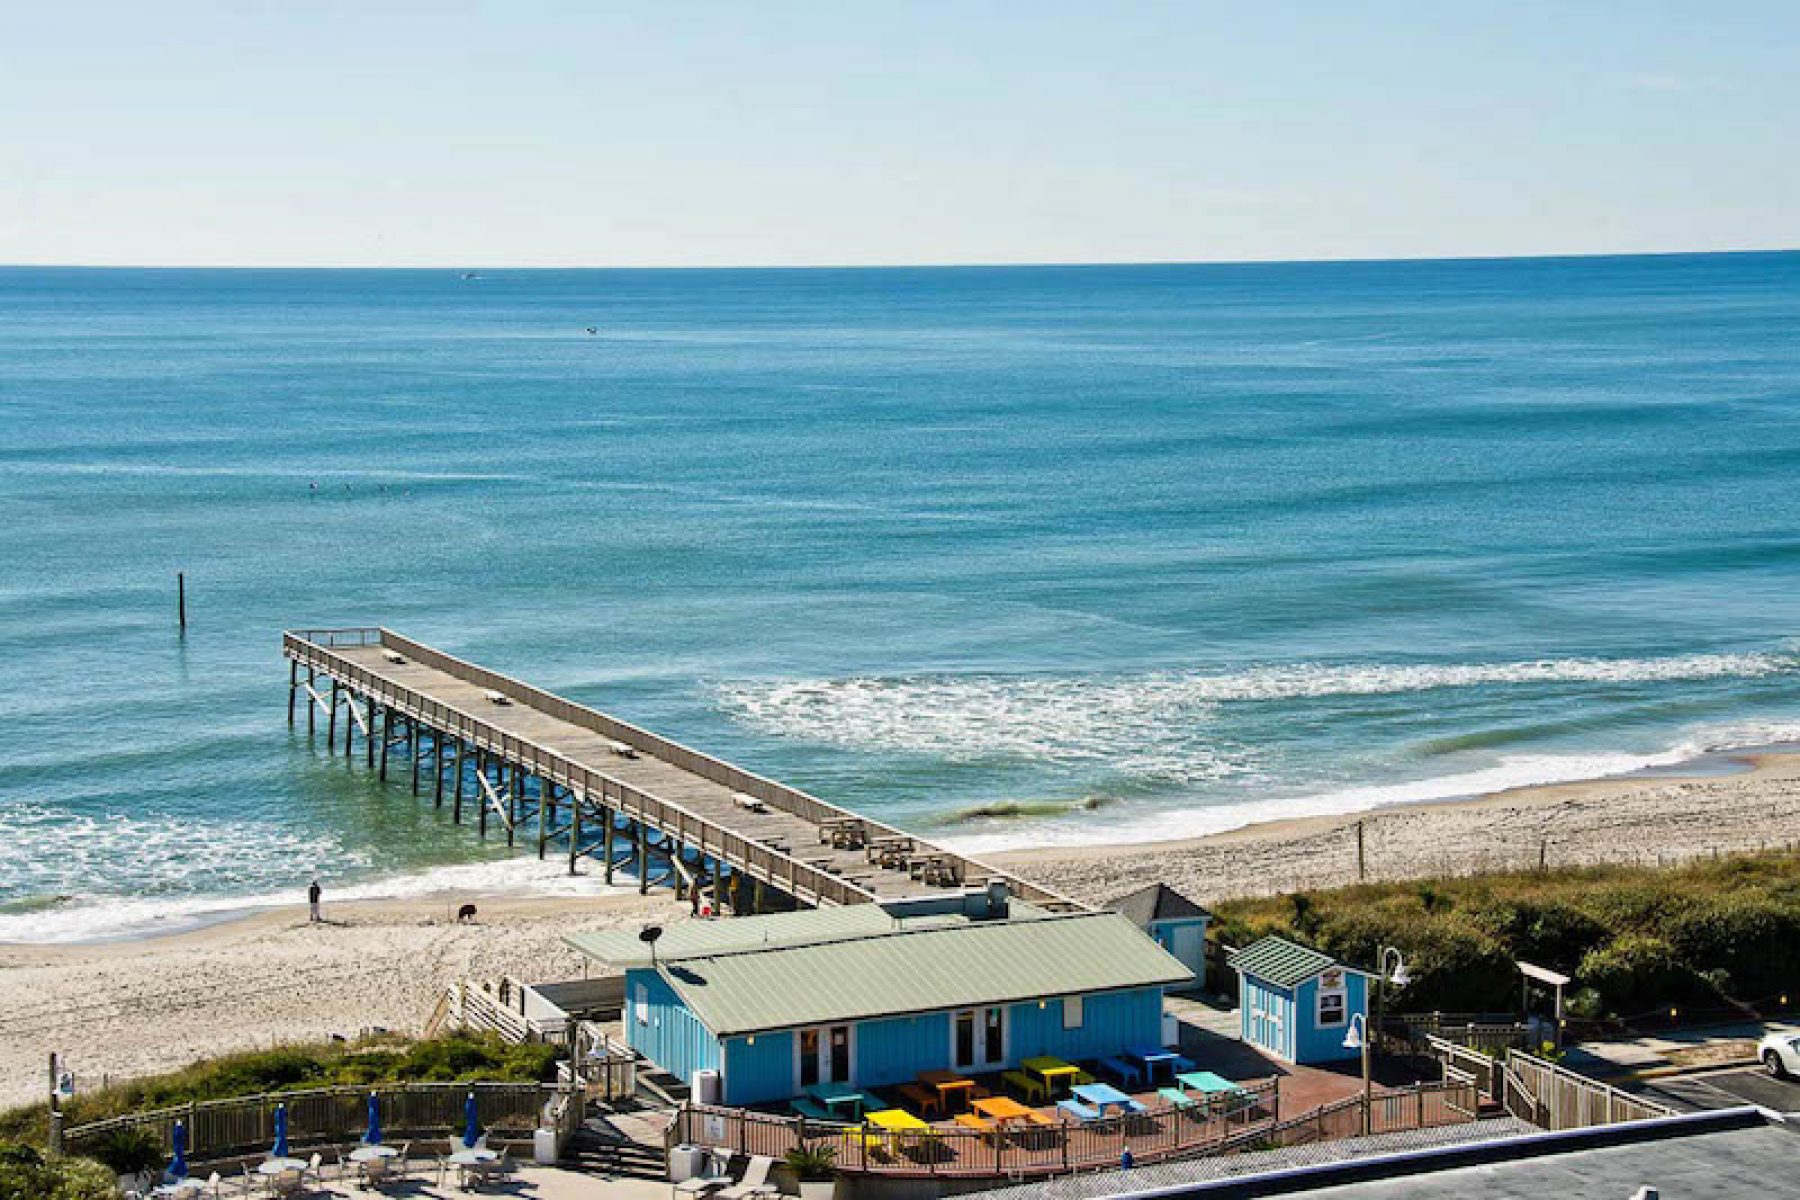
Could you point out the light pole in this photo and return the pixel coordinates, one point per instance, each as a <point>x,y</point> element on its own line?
<point>1364,1041</point>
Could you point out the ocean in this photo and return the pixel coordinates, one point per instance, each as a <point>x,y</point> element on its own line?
<point>1013,556</point>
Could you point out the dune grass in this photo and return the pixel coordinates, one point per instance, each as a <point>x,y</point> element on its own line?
<point>1637,939</point>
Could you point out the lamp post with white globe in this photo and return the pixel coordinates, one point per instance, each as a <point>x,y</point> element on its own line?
<point>1361,1034</point>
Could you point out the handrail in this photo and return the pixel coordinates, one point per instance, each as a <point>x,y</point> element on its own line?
<point>787,799</point>
<point>800,879</point>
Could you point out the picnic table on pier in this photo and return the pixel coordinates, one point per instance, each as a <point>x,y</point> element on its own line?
<point>1053,1071</point>
<point>840,1098</point>
<point>1104,1096</point>
<point>180,1189</point>
<point>1208,1083</point>
<point>1003,1110</point>
<point>1156,1058</point>
<point>953,1090</point>
<point>477,1157</point>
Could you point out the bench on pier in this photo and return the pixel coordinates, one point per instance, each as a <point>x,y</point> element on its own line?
<point>623,749</point>
<point>748,803</point>
<point>494,697</point>
<point>890,852</point>
<point>844,833</point>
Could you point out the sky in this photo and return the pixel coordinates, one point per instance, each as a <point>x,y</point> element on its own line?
<point>762,132</point>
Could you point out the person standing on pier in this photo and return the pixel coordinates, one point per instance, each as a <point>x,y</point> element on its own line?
<point>312,900</point>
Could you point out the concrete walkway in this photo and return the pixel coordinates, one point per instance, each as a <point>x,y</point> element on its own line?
<point>1678,1049</point>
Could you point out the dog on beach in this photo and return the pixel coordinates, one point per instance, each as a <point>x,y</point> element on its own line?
<point>465,914</point>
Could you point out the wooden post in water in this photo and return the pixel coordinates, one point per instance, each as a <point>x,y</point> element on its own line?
<point>387,738</point>
<point>643,860</point>
<point>293,686</point>
<point>181,599</point>
<point>369,733</point>
<point>462,750</point>
<point>331,722</point>
<point>546,813</point>
<point>482,759</point>
<point>312,705</point>
<point>412,750</point>
<point>607,849</point>
<point>574,833</point>
<point>437,768</point>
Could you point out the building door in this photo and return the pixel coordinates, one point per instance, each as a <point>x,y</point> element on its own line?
<point>965,1040</point>
<point>840,1054</point>
<point>809,1057</point>
<point>994,1035</point>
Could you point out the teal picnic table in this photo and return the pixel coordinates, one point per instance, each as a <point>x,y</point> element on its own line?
<point>839,1098</point>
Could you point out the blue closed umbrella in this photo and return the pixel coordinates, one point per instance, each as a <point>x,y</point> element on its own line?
<point>178,1167</point>
<point>281,1146</point>
<point>471,1129</point>
<point>373,1135</point>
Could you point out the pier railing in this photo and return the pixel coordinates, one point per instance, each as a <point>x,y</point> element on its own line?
<point>802,880</point>
<point>313,648</point>
<point>333,1116</point>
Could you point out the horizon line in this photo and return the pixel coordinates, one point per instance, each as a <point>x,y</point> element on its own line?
<point>1022,264</point>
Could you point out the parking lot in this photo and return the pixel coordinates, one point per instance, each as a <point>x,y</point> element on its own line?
<point>1723,1089</point>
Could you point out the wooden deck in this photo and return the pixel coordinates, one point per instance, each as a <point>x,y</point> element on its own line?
<point>538,754</point>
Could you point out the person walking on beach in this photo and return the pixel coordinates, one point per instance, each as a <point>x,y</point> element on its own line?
<point>312,900</point>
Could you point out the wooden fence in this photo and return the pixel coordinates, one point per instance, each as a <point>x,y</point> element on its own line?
<point>1426,1106</point>
<point>1554,1097</point>
<point>1476,1031</point>
<point>221,1129</point>
<point>1153,1135</point>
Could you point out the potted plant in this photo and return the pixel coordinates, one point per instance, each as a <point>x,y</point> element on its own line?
<point>814,1166</point>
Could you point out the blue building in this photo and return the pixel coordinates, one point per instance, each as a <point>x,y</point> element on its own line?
<point>1171,920</point>
<point>870,995</point>
<point>1295,1003</point>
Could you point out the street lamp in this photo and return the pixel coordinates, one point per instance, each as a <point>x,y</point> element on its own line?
<point>1357,1038</point>
<point>1398,976</point>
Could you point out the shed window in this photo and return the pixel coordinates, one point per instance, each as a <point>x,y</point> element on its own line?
<point>640,1005</point>
<point>1071,1012</point>
<point>1331,1008</point>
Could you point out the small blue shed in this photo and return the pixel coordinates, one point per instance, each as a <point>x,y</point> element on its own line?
<point>1173,922</point>
<point>1296,1003</point>
<point>871,995</point>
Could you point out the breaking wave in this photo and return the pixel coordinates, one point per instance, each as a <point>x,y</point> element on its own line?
<point>1144,724</point>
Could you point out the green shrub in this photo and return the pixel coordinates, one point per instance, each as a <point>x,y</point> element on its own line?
<point>457,1058</point>
<point>1637,966</point>
<point>27,1175</point>
<point>1636,938</point>
<point>128,1151</point>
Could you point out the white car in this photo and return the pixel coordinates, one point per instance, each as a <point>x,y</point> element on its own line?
<point>1780,1053</point>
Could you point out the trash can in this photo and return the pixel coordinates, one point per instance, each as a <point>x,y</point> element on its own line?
<point>544,1150</point>
<point>686,1162</point>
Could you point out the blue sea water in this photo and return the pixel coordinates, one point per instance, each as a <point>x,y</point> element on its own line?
<point>1192,544</point>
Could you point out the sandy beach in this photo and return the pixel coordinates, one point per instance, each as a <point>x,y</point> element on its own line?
<point>128,1008</point>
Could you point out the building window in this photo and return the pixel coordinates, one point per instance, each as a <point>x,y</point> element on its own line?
<point>965,1039</point>
<point>1331,1008</point>
<point>1071,1012</point>
<point>640,1006</point>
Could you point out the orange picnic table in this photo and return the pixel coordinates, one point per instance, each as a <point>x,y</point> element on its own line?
<point>1004,1109</point>
<point>953,1090</point>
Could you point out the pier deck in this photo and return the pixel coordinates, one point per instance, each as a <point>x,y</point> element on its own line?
<point>539,754</point>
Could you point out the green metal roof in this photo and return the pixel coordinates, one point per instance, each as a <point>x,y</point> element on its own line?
<point>1281,962</point>
<point>692,938</point>
<point>917,969</point>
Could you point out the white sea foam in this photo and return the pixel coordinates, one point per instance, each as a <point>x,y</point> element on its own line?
<point>1142,724</point>
<point>1178,822</point>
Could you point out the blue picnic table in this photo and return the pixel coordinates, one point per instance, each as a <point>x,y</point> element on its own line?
<point>1155,1058</point>
<point>1104,1096</point>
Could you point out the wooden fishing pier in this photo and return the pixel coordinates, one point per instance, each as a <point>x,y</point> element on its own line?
<point>534,766</point>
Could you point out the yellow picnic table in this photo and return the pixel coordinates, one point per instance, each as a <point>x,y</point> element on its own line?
<point>1053,1071</point>
<point>896,1127</point>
